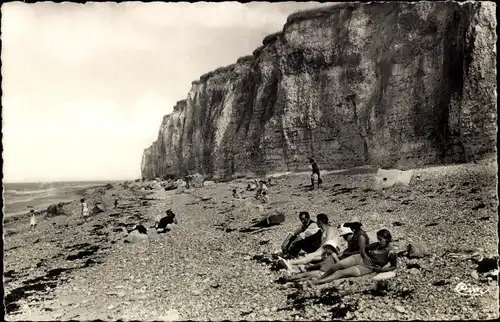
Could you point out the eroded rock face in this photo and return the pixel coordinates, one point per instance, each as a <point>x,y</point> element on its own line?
<point>387,84</point>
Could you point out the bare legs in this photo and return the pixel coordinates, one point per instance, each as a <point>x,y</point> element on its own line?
<point>312,257</point>
<point>351,266</point>
<point>306,275</point>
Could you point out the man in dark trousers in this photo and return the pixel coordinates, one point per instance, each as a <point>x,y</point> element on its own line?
<point>315,171</point>
<point>307,237</point>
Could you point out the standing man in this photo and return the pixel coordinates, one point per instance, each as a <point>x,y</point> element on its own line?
<point>315,171</point>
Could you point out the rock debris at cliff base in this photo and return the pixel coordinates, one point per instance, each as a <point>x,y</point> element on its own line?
<point>198,271</point>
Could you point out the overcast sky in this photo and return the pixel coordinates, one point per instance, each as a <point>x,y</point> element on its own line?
<point>85,86</point>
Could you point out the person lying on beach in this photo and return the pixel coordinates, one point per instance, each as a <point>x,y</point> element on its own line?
<point>378,255</point>
<point>356,242</point>
<point>32,219</point>
<point>329,234</point>
<point>165,222</point>
<point>306,238</point>
<point>328,258</point>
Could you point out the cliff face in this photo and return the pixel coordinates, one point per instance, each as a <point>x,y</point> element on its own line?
<point>387,84</point>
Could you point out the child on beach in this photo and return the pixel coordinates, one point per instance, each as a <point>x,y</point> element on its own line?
<point>236,194</point>
<point>261,188</point>
<point>85,208</point>
<point>32,219</point>
<point>265,197</point>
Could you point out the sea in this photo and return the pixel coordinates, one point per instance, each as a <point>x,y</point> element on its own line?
<point>20,198</point>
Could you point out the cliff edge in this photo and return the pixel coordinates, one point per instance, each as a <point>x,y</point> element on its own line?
<point>392,84</point>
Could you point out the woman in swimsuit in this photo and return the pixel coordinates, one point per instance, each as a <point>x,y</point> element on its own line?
<point>378,255</point>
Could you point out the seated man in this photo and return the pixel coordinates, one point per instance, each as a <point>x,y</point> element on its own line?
<point>307,237</point>
<point>329,234</point>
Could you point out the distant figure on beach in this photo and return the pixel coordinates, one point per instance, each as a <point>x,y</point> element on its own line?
<point>236,194</point>
<point>315,173</point>
<point>262,187</point>
<point>265,197</point>
<point>252,185</point>
<point>85,208</point>
<point>307,237</point>
<point>116,202</point>
<point>165,222</point>
<point>32,219</point>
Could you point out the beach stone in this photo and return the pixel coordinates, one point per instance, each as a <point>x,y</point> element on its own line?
<point>414,271</point>
<point>121,294</point>
<point>474,275</point>
<point>384,276</point>
<point>400,309</point>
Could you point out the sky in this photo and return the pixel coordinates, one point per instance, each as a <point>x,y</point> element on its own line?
<point>85,86</point>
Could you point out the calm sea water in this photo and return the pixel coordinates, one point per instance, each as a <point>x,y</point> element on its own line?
<point>19,198</point>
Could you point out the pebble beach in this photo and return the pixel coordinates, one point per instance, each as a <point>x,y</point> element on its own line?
<point>208,267</point>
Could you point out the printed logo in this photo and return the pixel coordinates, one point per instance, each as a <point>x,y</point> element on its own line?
<point>469,290</point>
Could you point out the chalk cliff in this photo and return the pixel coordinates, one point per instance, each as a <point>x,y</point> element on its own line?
<point>387,84</point>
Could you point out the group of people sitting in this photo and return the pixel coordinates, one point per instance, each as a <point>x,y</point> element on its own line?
<point>324,262</point>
